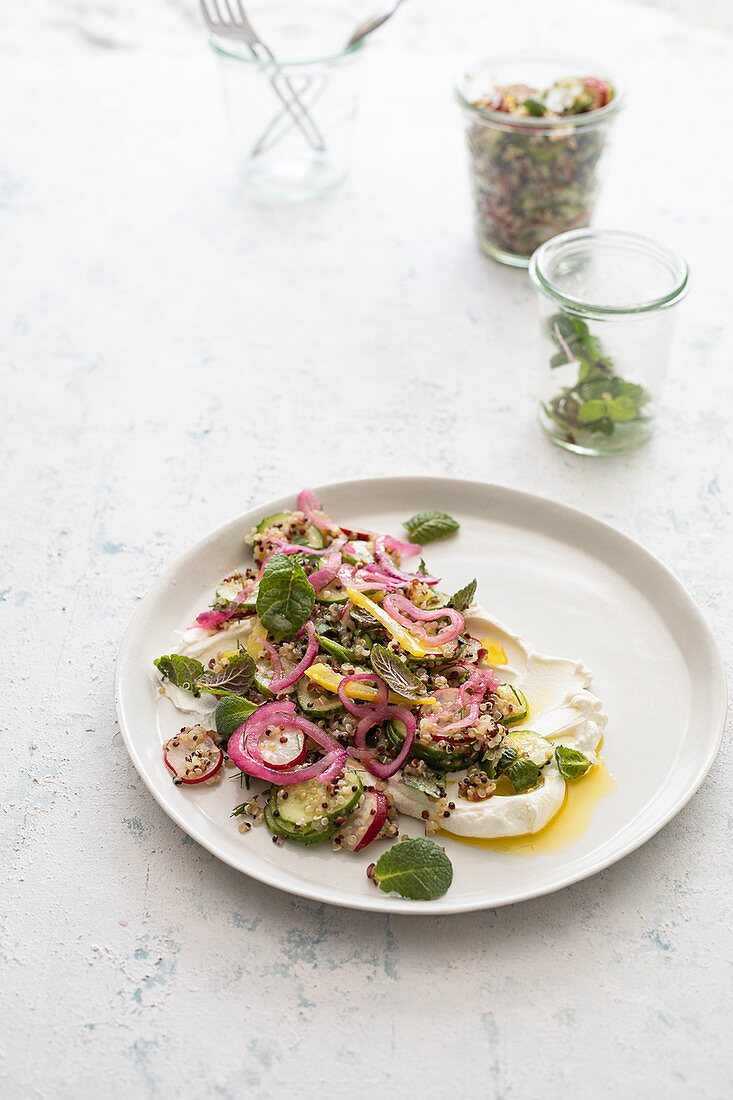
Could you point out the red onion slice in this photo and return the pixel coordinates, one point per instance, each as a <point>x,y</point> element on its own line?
<point>312,509</point>
<point>377,716</point>
<point>211,619</point>
<point>290,678</point>
<point>328,572</point>
<point>243,746</point>
<point>395,603</point>
<point>358,709</point>
<point>383,559</point>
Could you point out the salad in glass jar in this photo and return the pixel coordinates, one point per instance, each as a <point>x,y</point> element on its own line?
<point>534,148</point>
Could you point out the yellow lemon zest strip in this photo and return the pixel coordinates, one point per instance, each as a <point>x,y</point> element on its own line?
<point>400,635</point>
<point>495,654</point>
<point>328,679</point>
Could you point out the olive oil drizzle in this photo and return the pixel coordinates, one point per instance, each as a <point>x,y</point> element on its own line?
<point>573,819</point>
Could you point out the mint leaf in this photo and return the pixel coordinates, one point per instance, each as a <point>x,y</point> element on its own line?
<point>592,410</point>
<point>464,596</point>
<point>427,784</point>
<point>395,672</point>
<point>285,597</point>
<point>523,774</point>
<point>622,408</point>
<point>182,672</point>
<point>416,869</point>
<point>507,758</point>
<point>571,764</point>
<point>426,526</point>
<point>230,712</point>
<point>234,678</point>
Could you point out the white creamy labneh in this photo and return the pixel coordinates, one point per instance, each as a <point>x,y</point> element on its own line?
<point>561,709</point>
<point>204,644</point>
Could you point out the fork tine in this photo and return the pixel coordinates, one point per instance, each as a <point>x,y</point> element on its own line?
<point>206,14</point>
<point>230,11</point>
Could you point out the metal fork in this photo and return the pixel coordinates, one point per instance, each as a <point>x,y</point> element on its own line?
<point>227,19</point>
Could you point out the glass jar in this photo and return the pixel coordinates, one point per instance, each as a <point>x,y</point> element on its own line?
<point>534,177</point>
<point>291,118</point>
<point>607,303</point>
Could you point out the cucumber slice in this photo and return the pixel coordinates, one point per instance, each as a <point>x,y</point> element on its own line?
<point>312,536</point>
<point>302,836</point>
<point>306,812</point>
<point>332,593</point>
<point>263,677</point>
<point>440,756</point>
<point>529,746</point>
<point>362,553</point>
<point>230,588</point>
<point>314,703</point>
<point>513,704</point>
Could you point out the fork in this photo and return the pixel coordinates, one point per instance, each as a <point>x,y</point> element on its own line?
<point>227,19</point>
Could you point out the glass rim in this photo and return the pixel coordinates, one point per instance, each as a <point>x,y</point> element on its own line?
<point>219,47</point>
<point>528,122</point>
<point>630,241</point>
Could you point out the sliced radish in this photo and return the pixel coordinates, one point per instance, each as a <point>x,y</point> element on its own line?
<point>192,755</point>
<point>283,747</point>
<point>364,824</point>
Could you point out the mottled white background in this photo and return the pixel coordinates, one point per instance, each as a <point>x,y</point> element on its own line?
<point>171,357</point>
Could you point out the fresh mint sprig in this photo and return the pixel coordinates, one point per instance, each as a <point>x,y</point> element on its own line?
<point>570,763</point>
<point>182,672</point>
<point>464,597</point>
<point>285,597</point>
<point>600,400</point>
<point>427,526</point>
<point>417,869</point>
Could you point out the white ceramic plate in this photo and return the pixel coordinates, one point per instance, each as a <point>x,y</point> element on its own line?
<point>570,584</point>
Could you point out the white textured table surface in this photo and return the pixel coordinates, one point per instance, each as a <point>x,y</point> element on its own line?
<point>155,333</point>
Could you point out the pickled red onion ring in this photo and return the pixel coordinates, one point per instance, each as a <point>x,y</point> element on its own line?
<point>359,709</point>
<point>292,677</point>
<point>310,506</point>
<point>211,619</point>
<point>328,572</point>
<point>395,603</point>
<point>376,717</point>
<point>383,559</point>
<point>243,746</point>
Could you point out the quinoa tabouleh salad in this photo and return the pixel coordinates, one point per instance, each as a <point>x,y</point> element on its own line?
<point>342,688</point>
<point>534,157</point>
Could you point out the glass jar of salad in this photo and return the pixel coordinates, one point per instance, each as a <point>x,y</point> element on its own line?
<point>536,130</point>
<point>607,303</point>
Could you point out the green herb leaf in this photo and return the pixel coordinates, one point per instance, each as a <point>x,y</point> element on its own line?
<point>416,869</point>
<point>285,597</point>
<point>230,712</point>
<point>523,774</point>
<point>395,672</point>
<point>534,107</point>
<point>591,410</point>
<point>507,758</point>
<point>182,672</point>
<point>426,526</point>
<point>363,619</point>
<point>464,596</point>
<point>622,408</point>
<point>426,784</point>
<point>571,764</point>
<point>234,678</point>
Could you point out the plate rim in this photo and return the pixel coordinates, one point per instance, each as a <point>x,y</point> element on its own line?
<point>384,902</point>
